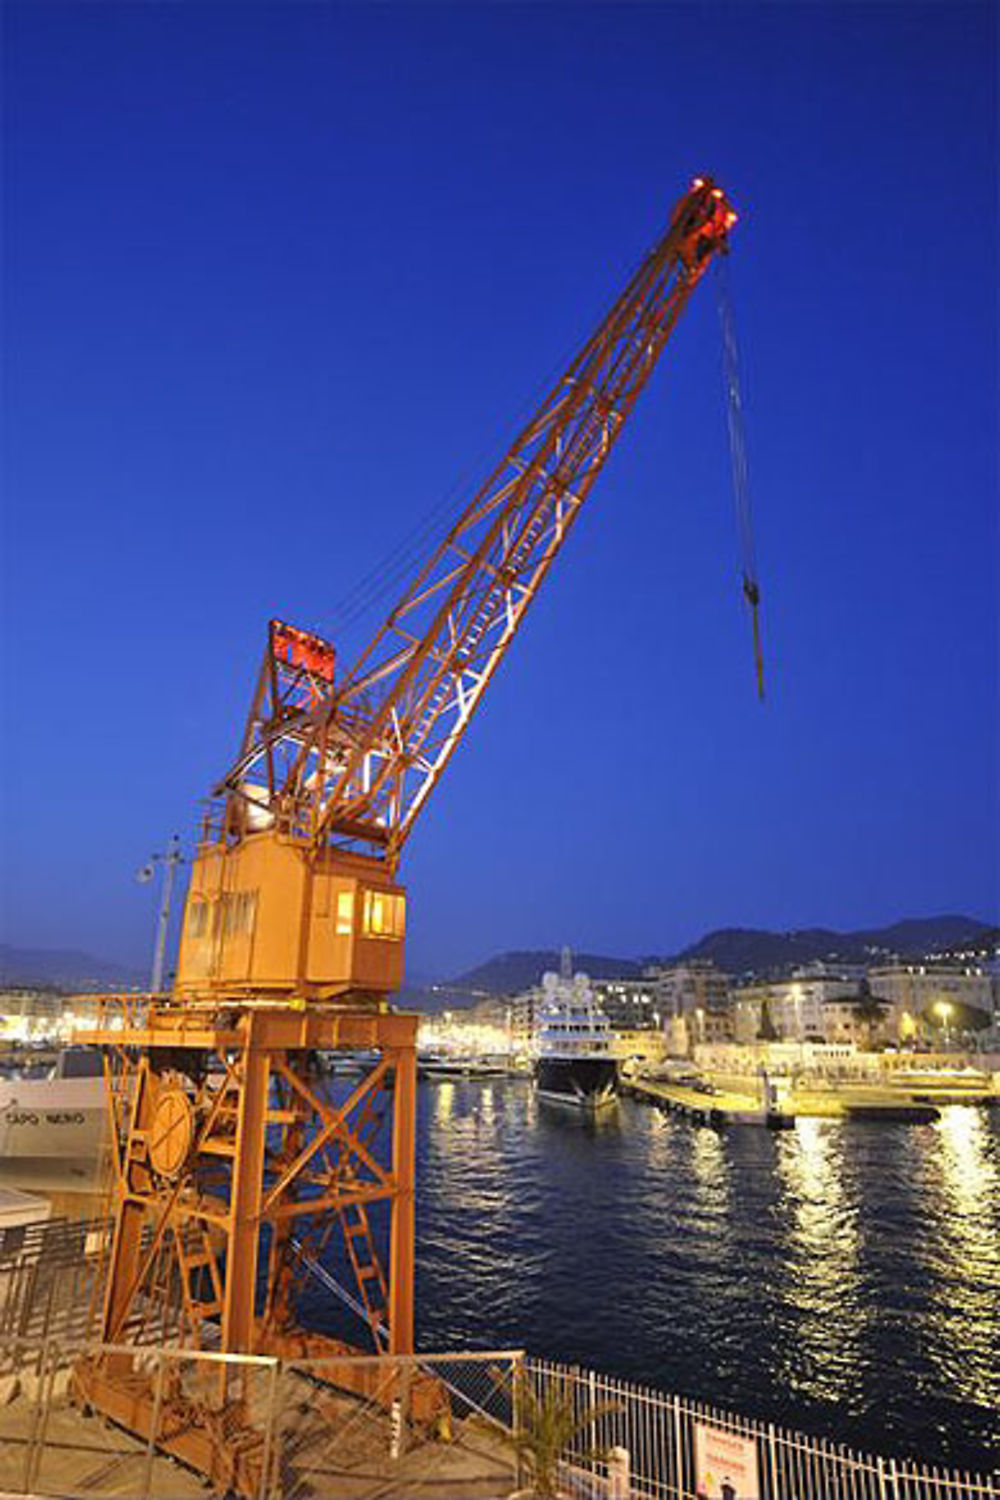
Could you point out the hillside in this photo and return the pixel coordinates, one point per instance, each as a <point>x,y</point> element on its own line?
<point>740,950</point>
<point>735,950</point>
<point>66,969</point>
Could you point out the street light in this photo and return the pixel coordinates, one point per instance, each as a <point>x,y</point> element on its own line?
<point>144,875</point>
<point>943,1009</point>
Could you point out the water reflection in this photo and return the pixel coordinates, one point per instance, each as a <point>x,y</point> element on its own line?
<point>820,1242</point>
<point>443,1102</point>
<point>844,1276</point>
<point>961,1183</point>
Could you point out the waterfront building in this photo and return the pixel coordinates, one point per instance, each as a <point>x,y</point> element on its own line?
<point>522,1016</point>
<point>643,1045</point>
<point>685,988</point>
<point>629,1004</point>
<point>699,1028</point>
<point>471,1032</point>
<point>750,1003</point>
<point>818,1003</point>
<point>30,1014</point>
<point>933,999</point>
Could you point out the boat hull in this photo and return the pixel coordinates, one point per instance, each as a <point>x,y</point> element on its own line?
<point>587,1083</point>
<point>58,1120</point>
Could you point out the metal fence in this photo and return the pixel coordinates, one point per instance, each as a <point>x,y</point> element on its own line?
<point>413,1427</point>
<point>48,1283</point>
<point>681,1449</point>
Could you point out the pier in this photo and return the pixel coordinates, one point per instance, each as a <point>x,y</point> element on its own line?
<point>719,1103</point>
<point>707,1105</point>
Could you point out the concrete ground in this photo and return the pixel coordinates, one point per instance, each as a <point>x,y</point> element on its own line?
<point>323,1456</point>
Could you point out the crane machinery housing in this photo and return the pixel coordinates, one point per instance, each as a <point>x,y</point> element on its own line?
<point>233,1165</point>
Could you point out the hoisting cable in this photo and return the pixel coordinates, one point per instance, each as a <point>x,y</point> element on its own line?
<point>738,455</point>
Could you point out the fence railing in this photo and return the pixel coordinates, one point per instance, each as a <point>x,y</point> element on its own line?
<point>415,1427</point>
<point>672,1448</point>
<point>48,1282</point>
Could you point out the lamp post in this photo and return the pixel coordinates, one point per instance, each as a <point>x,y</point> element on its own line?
<point>943,1010</point>
<point>170,860</point>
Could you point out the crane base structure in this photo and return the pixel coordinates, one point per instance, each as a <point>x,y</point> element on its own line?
<point>233,1168</point>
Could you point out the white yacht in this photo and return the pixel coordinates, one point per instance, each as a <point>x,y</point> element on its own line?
<point>574,1058</point>
<point>59,1117</point>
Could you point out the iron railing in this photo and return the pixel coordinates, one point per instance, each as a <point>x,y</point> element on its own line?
<point>677,1448</point>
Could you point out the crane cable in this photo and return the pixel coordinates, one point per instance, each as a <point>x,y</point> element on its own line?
<point>738,455</point>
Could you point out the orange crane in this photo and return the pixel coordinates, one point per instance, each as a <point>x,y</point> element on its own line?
<point>234,1166</point>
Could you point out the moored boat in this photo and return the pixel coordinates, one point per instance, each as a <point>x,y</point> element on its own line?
<point>575,1063</point>
<point>61,1117</point>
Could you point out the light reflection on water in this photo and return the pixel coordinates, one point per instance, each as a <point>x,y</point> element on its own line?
<point>818,1262</point>
<point>962,1174</point>
<point>841,1277</point>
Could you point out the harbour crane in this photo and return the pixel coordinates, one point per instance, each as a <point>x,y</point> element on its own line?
<point>234,1167</point>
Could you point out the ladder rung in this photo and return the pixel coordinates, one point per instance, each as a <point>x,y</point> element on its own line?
<point>205,1309</point>
<point>218,1146</point>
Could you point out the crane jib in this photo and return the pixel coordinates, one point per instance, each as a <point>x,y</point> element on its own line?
<point>414,689</point>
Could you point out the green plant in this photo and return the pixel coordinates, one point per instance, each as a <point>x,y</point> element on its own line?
<point>546,1424</point>
<point>869,1010</point>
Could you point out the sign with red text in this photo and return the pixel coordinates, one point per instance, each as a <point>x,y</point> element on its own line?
<point>725,1464</point>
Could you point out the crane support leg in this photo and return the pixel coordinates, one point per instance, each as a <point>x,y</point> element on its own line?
<point>246,1194</point>
<point>401,1249</point>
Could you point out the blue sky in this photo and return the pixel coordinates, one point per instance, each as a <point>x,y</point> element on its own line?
<point>279,279</point>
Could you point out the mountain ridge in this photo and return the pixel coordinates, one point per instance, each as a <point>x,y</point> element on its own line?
<point>64,969</point>
<point>735,950</point>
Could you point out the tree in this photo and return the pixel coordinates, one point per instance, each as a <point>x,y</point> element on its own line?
<point>766,1032</point>
<point>868,1009</point>
<point>546,1423</point>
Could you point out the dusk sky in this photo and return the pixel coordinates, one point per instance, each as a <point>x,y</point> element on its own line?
<point>281,279</point>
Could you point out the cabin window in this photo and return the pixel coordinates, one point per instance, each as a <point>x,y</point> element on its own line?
<point>384,914</point>
<point>345,913</point>
<point>197,920</point>
<point>238,912</point>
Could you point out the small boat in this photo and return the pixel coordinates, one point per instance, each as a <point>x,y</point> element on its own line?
<point>461,1067</point>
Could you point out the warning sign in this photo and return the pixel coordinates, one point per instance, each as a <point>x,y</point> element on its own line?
<point>725,1464</point>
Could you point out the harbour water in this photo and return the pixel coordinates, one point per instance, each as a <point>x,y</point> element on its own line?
<point>841,1277</point>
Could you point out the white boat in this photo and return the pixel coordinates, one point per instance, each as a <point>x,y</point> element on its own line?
<point>61,1117</point>
<point>434,1066</point>
<point>574,1057</point>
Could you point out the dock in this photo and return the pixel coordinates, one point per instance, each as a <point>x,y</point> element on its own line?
<point>707,1107</point>
<point>712,1104</point>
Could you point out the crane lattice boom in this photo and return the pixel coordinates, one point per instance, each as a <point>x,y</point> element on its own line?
<point>356,766</point>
